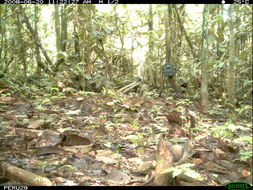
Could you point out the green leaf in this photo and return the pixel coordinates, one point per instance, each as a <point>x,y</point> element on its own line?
<point>181,140</point>
<point>98,82</point>
<point>135,138</point>
<point>244,155</point>
<point>168,170</point>
<point>135,123</point>
<point>62,55</point>
<point>176,172</point>
<point>87,76</point>
<point>211,39</point>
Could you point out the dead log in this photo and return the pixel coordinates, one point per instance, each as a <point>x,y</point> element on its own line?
<point>164,160</point>
<point>168,156</point>
<point>26,177</point>
<point>129,87</point>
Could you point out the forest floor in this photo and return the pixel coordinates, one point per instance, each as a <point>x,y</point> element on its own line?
<point>97,139</point>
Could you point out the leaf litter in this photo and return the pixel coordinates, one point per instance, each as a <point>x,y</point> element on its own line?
<point>111,140</point>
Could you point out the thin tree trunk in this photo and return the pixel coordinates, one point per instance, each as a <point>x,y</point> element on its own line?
<point>77,45</point>
<point>167,36</point>
<point>37,41</point>
<point>64,28</point>
<point>204,61</point>
<point>121,37</point>
<point>2,36</point>
<point>63,34</point>
<point>168,40</point>
<point>150,29</point>
<point>184,31</point>
<point>231,72</point>
<point>220,31</point>
<point>57,35</point>
<point>37,49</point>
<point>179,34</point>
<point>57,28</point>
<point>22,51</point>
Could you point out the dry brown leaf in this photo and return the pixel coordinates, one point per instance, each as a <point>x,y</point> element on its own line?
<point>48,150</point>
<point>145,168</point>
<point>221,154</point>
<point>139,103</point>
<point>8,99</point>
<point>227,164</point>
<point>35,124</point>
<point>78,148</point>
<point>48,138</point>
<point>117,176</point>
<point>59,180</point>
<point>197,161</point>
<point>245,173</point>
<point>4,90</point>
<point>74,140</point>
<point>215,168</point>
<point>126,103</point>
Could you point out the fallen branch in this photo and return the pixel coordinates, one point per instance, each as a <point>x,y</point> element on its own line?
<point>129,87</point>
<point>29,178</point>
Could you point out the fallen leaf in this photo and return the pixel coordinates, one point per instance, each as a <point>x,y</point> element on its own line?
<point>80,99</point>
<point>106,156</point>
<point>78,149</point>
<point>73,139</point>
<point>118,176</point>
<point>197,161</point>
<point>4,90</point>
<point>48,138</point>
<point>230,166</point>
<point>59,180</point>
<point>35,124</point>
<point>245,173</point>
<point>145,168</point>
<point>126,103</point>
<point>48,150</point>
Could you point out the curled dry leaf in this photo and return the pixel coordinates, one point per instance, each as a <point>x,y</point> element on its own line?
<point>72,140</point>
<point>78,149</point>
<point>35,124</point>
<point>197,161</point>
<point>118,177</point>
<point>245,173</point>
<point>146,167</point>
<point>59,180</point>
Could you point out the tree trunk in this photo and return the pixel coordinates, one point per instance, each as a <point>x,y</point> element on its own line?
<point>57,35</point>
<point>37,49</point>
<point>64,28</point>
<point>57,29</point>
<point>167,36</point>
<point>22,51</point>
<point>220,31</point>
<point>150,29</point>
<point>185,33</point>
<point>2,38</point>
<point>77,45</point>
<point>204,60</point>
<point>231,72</point>
<point>61,34</point>
<point>179,35</point>
<point>37,41</point>
<point>168,42</point>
